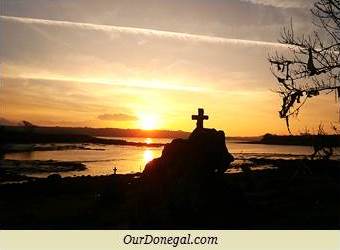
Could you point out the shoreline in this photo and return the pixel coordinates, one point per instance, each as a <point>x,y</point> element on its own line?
<point>22,170</point>
<point>296,194</point>
<point>10,142</point>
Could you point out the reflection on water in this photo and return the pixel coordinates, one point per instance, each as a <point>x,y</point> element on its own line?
<point>148,156</point>
<point>27,155</point>
<point>126,159</point>
<point>148,140</point>
<point>129,159</point>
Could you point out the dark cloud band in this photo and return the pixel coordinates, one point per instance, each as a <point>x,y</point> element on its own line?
<point>117,117</point>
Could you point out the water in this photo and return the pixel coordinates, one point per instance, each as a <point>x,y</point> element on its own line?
<point>130,159</point>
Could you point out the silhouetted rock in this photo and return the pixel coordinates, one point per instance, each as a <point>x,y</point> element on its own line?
<point>54,177</point>
<point>203,154</point>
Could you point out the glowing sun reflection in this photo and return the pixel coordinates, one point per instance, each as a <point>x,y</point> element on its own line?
<point>148,140</point>
<point>148,155</point>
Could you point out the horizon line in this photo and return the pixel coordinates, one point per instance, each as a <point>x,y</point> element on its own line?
<point>140,129</point>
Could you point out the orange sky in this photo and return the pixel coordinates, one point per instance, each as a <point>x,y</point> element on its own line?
<point>129,63</point>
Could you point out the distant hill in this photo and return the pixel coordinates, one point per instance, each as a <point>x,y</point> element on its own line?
<point>102,132</point>
<point>303,140</point>
<point>6,122</point>
<point>113,132</point>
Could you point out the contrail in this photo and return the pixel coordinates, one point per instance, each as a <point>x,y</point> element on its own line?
<point>283,3</point>
<point>142,31</point>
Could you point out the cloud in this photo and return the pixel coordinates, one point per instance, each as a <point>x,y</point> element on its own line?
<point>117,117</point>
<point>141,31</point>
<point>134,83</point>
<point>284,3</point>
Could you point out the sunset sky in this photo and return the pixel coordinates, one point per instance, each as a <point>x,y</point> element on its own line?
<point>130,63</point>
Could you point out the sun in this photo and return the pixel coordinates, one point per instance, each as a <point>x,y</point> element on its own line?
<point>148,122</point>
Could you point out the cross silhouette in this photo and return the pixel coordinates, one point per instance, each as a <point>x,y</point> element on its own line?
<point>114,170</point>
<point>200,118</point>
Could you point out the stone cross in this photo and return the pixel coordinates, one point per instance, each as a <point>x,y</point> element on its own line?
<point>200,118</point>
<point>114,170</point>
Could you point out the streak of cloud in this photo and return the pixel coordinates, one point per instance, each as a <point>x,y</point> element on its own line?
<point>141,31</point>
<point>284,3</point>
<point>117,117</point>
<point>142,84</point>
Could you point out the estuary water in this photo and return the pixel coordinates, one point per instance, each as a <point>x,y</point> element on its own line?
<point>130,159</point>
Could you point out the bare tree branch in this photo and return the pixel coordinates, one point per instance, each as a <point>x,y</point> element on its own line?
<point>313,65</point>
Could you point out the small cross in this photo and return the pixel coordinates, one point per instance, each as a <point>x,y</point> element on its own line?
<point>114,170</point>
<point>200,118</point>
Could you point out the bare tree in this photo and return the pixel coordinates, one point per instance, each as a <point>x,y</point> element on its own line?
<point>312,66</point>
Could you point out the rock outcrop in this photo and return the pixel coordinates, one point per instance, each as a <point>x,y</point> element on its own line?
<point>203,154</point>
